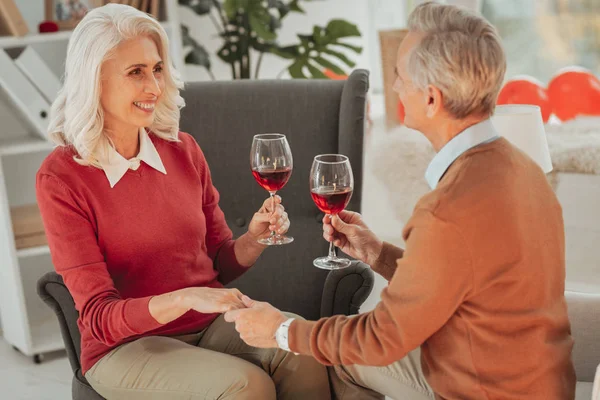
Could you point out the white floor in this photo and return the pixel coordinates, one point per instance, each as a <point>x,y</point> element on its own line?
<point>21,379</point>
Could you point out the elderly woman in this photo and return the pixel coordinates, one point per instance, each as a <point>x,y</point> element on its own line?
<point>480,286</point>
<point>136,232</point>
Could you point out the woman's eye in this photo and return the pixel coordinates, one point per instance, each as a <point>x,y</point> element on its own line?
<point>158,69</point>
<point>136,71</point>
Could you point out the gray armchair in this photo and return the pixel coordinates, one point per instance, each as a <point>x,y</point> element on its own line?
<point>318,116</point>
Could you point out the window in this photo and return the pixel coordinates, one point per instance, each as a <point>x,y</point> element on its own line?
<point>543,36</point>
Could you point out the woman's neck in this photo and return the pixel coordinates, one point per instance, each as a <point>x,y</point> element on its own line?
<point>126,144</point>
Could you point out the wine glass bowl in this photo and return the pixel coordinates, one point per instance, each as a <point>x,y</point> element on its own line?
<point>272,164</point>
<point>331,186</point>
<point>272,180</point>
<point>331,200</point>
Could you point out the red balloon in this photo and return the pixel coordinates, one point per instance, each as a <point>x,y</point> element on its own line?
<point>526,90</point>
<point>574,91</point>
<point>400,113</point>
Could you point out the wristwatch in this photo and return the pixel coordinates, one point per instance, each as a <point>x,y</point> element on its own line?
<point>281,335</point>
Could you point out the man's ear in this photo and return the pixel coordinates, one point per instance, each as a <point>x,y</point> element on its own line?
<point>434,100</point>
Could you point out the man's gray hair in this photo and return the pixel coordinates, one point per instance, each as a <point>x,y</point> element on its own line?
<point>461,54</point>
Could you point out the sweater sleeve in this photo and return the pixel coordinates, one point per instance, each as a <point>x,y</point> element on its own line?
<point>385,265</point>
<point>77,257</point>
<point>431,280</point>
<point>219,242</point>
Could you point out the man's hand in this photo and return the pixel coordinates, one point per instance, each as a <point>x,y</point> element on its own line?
<point>350,234</point>
<point>257,323</point>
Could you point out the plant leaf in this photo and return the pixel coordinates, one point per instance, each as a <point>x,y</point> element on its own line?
<point>338,28</point>
<point>229,53</point>
<point>340,56</point>
<point>260,28</point>
<point>289,52</point>
<point>316,72</point>
<point>231,7</point>
<point>356,49</point>
<point>283,9</point>
<point>329,65</point>
<point>262,46</point>
<point>309,52</point>
<point>200,7</point>
<point>295,70</point>
<point>294,6</point>
<point>198,56</point>
<point>186,39</point>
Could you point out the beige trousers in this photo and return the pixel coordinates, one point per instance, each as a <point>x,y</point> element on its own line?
<point>212,364</point>
<point>402,380</point>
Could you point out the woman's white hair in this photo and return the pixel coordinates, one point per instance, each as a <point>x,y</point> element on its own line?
<point>461,54</point>
<point>76,116</point>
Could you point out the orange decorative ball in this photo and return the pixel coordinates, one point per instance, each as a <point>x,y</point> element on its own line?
<point>400,113</point>
<point>574,91</point>
<point>526,90</point>
<point>332,75</point>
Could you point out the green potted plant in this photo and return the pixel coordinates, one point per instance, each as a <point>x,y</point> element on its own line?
<point>249,28</point>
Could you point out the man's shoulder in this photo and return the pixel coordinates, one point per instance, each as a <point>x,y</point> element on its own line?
<point>486,183</point>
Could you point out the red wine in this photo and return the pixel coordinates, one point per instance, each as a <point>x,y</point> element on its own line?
<point>272,179</point>
<point>331,200</point>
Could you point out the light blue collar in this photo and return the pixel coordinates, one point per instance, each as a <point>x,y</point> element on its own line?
<point>480,133</point>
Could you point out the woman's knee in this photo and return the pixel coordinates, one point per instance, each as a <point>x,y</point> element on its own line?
<point>250,383</point>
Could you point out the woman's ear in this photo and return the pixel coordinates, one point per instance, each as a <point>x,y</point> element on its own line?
<point>434,101</point>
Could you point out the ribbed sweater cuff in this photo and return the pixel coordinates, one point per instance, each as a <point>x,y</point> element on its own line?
<point>299,336</point>
<point>137,316</point>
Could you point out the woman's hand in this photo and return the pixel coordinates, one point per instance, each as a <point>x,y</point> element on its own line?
<point>210,300</point>
<point>270,217</point>
<point>168,307</point>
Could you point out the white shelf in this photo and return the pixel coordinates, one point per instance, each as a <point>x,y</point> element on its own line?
<point>34,38</point>
<point>24,145</point>
<point>33,251</point>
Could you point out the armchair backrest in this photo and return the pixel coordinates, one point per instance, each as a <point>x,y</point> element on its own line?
<point>318,117</point>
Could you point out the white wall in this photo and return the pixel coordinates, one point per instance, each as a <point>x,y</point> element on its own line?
<point>382,15</point>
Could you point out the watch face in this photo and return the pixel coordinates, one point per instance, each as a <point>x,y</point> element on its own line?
<point>281,337</point>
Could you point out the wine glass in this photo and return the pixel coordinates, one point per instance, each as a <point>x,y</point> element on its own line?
<point>331,185</point>
<point>271,162</point>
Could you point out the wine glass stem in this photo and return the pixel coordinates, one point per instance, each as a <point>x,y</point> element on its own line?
<point>272,193</point>
<point>332,254</point>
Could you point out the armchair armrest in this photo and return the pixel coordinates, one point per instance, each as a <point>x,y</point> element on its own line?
<point>584,315</point>
<point>346,289</point>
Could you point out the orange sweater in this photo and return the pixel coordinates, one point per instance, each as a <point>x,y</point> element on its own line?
<point>480,287</point>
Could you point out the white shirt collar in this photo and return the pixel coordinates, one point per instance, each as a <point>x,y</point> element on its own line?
<point>480,133</point>
<point>115,165</point>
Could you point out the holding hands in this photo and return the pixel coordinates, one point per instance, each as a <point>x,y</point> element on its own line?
<point>208,300</point>
<point>257,323</point>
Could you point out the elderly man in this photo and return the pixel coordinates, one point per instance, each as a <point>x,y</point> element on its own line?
<point>480,286</point>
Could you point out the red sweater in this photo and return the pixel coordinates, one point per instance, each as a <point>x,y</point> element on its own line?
<point>117,247</point>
